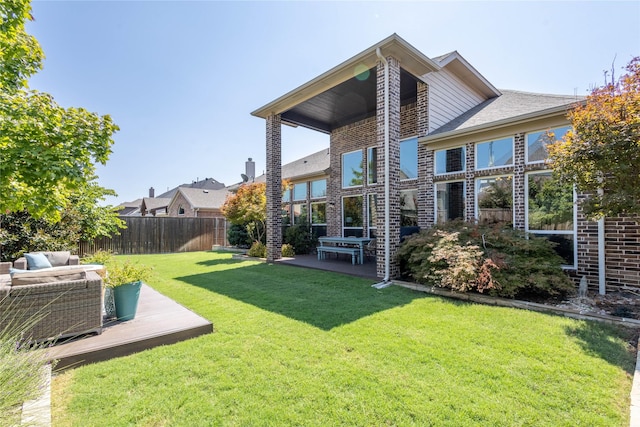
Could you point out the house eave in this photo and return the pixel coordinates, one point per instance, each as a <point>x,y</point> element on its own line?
<point>411,60</point>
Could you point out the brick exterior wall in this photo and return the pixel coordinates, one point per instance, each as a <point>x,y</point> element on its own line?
<point>622,249</point>
<point>274,188</point>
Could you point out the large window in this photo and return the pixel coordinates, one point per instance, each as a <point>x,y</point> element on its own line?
<point>300,214</point>
<point>450,161</point>
<point>372,165</point>
<point>319,219</point>
<point>550,212</point>
<point>300,191</point>
<point>494,154</point>
<point>409,158</point>
<point>409,208</point>
<point>494,199</point>
<point>373,215</point>
<point>352,220</point>
<point>286,195</point>
<point>450,201</point>
<point>536,148</point>
<point>352,173</point>
<point>318,188</point>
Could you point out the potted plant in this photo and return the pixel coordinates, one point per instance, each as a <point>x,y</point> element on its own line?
<point>125,279</point>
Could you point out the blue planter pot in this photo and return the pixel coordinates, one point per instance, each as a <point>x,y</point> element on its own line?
<point>126,298</point>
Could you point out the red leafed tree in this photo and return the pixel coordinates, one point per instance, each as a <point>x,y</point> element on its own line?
<point>601,155</point>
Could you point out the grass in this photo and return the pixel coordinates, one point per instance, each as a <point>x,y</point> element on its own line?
<point>303,347</point>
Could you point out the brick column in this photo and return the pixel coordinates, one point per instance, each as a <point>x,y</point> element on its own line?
<point>518,182</point>
<point>274,188</point>
<point>425,160</point>
<point>470,160</point>
<point>394,164</point>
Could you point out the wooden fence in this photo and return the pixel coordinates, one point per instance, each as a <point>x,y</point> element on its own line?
<point>154,235</point>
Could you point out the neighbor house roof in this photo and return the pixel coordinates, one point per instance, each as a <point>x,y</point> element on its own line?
<point>203,198</point>
<point>511,106</point>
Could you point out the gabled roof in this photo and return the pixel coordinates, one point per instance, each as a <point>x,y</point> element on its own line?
<point>202,198</point>
<point>459,66</point>
<point>312,165</point>
<point>510,107</point>
<point>151,203</point>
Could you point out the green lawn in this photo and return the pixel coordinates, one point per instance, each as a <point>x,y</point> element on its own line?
<point>308,348</point>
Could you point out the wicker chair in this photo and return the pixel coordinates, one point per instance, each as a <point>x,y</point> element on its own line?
<point>64,308</point>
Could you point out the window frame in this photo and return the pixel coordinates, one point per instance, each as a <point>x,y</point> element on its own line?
<point>435,198</point>
<point>513,148</point>
<point>464,160</point>
<point>371,157</point>
<point>405,140</point>
<point>311,195</point>
<point>342,177</point>
<point>526,142</point>
<point>476,182</point>
<point>362,218</point>
<point>573,232</point>
<point>295,197</point>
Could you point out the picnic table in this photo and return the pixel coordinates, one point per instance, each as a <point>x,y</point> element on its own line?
<point>353,246</point>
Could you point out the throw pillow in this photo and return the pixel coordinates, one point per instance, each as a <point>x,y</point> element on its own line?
<point>36,261</point>
<point>58,258</point>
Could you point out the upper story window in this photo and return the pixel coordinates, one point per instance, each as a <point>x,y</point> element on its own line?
<point>450,161</point>
<point>494,154</point>
<point>536,148</point>
<point>409,158</point>
<point>372,165</point>
<point>300,191</point>
<point>352,173</point>
<point>180,210</point>
<point>318,188</point>
<point>286,195</point>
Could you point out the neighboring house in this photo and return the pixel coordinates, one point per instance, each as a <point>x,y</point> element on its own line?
<point>159,206</point>
<point>197,202</point>
<point>305,201</point>
<point>458,148</point>
<point>130,208</point>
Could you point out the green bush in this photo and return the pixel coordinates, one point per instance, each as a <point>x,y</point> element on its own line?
<point>258,250</point>
<point>502,261</point>
<point>237,236</point>
<point>288,251</point>
<point>300,237</point>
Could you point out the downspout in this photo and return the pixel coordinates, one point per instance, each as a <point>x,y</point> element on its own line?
<point>602,272</point>
<point>387,241</point>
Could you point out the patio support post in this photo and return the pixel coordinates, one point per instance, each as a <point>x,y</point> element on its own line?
<point>388,137</point>
<point>274,188</point>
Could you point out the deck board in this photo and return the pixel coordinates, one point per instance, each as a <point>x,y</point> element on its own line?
<point>159,321</point>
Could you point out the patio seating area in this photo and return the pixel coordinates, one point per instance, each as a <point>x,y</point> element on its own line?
<point>159,321</point>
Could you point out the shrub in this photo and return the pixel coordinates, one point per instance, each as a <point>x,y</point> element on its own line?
<point>288,251</point>
<point>302,240</point>
<point>238,236</point>
<point>258,250</point>
<point>503,261</point>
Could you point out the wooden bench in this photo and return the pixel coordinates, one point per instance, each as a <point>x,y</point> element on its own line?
<point>354,252</point>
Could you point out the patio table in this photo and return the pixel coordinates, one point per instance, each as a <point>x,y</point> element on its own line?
<point>359,242</point>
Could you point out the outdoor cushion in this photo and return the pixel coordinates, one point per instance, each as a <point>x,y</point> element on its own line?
<point>37,261</point>
<point>58,257</point>
<point>46,276</point>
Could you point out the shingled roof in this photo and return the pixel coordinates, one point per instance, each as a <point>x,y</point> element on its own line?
<point>204,199</point>
<point>314,164</point>
<point>511,105</point>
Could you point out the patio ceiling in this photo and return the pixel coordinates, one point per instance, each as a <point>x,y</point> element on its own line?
<point>346,103</point>
<point>347,93</point>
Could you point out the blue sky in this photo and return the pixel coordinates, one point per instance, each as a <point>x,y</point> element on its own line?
<point>181,78</point>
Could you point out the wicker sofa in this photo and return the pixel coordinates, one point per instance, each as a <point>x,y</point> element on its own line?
<point>65,302</point>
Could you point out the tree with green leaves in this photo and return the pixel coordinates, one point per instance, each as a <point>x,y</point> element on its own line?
<point>601,155</point>
<point>48,152</point>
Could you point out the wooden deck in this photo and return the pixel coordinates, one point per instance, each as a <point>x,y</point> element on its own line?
<point>159,321</point>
